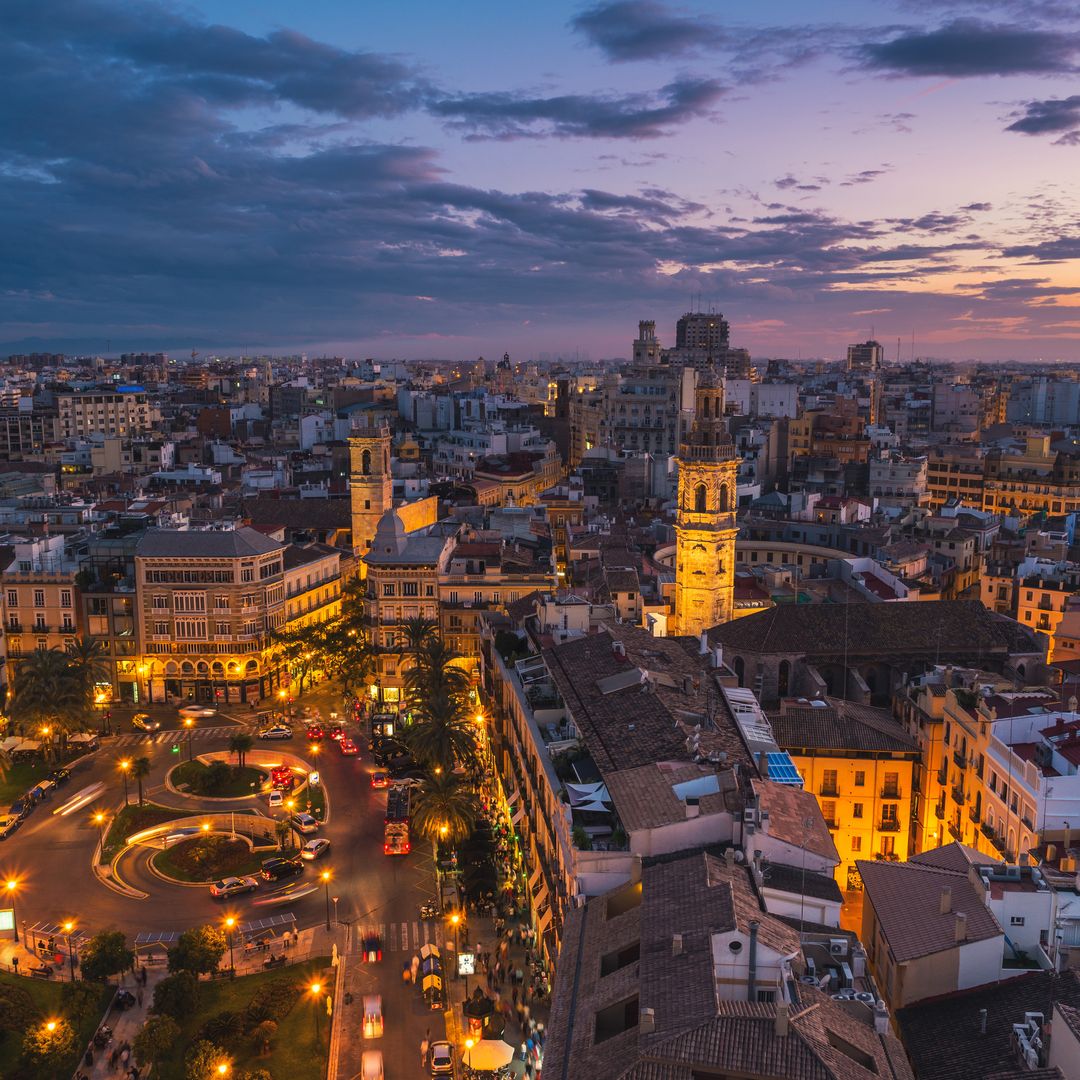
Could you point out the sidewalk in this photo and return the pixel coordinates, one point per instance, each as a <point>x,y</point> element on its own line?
<point>125,1025</point>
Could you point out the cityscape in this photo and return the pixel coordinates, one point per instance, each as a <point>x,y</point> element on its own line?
<point>507,573</point>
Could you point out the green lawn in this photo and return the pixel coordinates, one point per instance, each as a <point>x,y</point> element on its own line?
<point>208,858</point>
<point>234,784</point>
<point>134,818</point>
<point>27,1000</point>
<point>19,777</point>
<point>296,1052</point>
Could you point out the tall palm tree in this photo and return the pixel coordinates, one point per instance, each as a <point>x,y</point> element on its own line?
<point>441,734</point>
<point>417,631</point>
<point>46,693</point>
<point>140,768</point>
<point>89,665</point>
<point>284,832</point>
<point>435,674</point>
<point>240,745</point>
<point>445,810</point>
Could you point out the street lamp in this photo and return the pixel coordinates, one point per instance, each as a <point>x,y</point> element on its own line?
<point>469,1044</point>
<point>189,723</point>
<point>99,821</point>
<point>125,765</point>
<point>11,885</point>
<point>316,991</point>
<point>325,876</point>
<point>230,923</point>
<point>69,926</point>
<point>455,919</point>
<point>223,1069</point>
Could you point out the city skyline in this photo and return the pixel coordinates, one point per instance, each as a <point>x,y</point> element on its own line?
<point>236,177</point>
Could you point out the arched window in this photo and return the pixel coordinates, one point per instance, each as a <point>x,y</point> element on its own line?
<point>701,496</point>
<point>365,463</point>
<point>724,497</point>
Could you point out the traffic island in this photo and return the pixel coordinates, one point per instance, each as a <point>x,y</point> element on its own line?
<point>216,780</point>
<point>204,859</point>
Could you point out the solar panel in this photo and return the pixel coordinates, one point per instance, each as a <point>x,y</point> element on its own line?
<point>782,769</point>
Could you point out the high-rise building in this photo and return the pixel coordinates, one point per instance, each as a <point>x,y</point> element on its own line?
<point>370,483</point>
<point>867,356</point>
<point>697,330</point>
<point>705,527</point>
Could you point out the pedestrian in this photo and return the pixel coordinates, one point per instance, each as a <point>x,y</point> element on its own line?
<point>114,1057</point>
<point>514,996</point>
<point>424,1044</point>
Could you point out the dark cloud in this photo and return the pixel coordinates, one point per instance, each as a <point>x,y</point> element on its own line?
<point>792,183</point>
<point>866,176</point>
<point>644,30</point>
<point>977,206</point>
<point>1056,116</point>
<point>505,115</point>
<point>1060,249</point>
<point>973,47</point>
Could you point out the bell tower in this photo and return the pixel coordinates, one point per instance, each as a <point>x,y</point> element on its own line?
<point>705,526</point>
<point>370,484</point>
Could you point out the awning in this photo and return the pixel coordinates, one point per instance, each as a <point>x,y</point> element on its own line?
<point>534,875</point>
<point>9,744</point>
<point>432,982</point>
<point>488,1055</point>
<point>27,746</point>
<point>544,921</point>
<point>82,737</point>
<point>519,813</point>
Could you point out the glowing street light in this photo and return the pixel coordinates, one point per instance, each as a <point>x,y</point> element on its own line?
<point>69,927</point>
<point>189,723</point>
<point>316,993</point>
<point>230,925</point>
<point>125,766</point>
<point>99,821</point>
<point>325,877</point>
<point>9,887</point>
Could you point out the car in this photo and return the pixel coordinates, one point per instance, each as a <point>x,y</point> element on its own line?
<point>23,806</point>
<point>195,712</point>
<point>371,1066</point>
<point>371,947</point>
<point>380,780</point>
<point>143,722</point>
<point>278,731</point>
<point>442,1058</point>
<point>60,776</point>
<point>348,748</point>
<point>275,799</point>
<point>233,886</point>
<point>304,823</point>
<point>315,849</point>
<point>8,824</point>
<point>373,1018</point>
<point>277,868</point>
<point>315,733</point>
<point>337,732</point>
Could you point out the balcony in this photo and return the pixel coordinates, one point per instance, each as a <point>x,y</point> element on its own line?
<point>1028,823</point>
<point>828,791</point>
<point>959,760</point>
<point>974,814</point>
<point>832,824</point>
<point>14,628</point>
<point>889,825</point>
<point>890,791</point>
<point>943,776</point>
<point>958,795</point>
<point>939,810</point>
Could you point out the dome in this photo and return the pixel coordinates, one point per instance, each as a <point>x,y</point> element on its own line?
<point>390,536</point>
<point>709,379</point>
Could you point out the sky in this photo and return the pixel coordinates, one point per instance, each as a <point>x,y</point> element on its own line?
<point>432,180</point>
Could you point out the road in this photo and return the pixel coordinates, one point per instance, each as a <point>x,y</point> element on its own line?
<point>51,855</point>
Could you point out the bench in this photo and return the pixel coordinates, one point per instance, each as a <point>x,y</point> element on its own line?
<point>43,972</point>
<point>274,961</point>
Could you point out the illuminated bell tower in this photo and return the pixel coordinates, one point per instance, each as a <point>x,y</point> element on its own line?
<point>705,526</point>
<point>371,488</point>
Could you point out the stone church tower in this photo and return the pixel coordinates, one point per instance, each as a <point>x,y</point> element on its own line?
<point>371,488</point>
<point>705,525</point>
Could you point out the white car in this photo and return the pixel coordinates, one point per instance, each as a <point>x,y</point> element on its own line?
<point>373,1021</point>
<point>371,1065</point>
<point>195,712</point>
<point>315,849</point>
<point>442,1058</point>
<point>275,799</point>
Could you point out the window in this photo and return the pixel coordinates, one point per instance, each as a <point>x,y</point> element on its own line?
<point>388,588</point>
<point>1016,920</point>
<point>891,787</point>
<point>221,603</point>
<point>860,778</point>
<point>766,996</point>
<point>65,598</point>
<point>888,812</point>
<point>13,598</point>
<point>856,843</point>
<point>160,602</point>
<point>189,601</point>
<point>39,622</point>
<point>429,590</point>
<point>615,1019</point>
<point>614,961</point>
<point>191,629</point>
<point>478,596</point>
<point>828,782</point>
<point>856,809</point>
<point>828,811</point>
<point>222,629</point>
<point>888,845</point>
<point>410,588</point>
<point>39,598</point>
<point>247,573</point>
<point>161,629</point>
<point>68,624</point>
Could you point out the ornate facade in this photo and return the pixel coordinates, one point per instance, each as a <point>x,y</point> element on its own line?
<point>705,527</point>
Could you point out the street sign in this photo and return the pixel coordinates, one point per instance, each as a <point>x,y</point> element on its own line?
<point>7,918</point>
<point>466,963</point>
<point>313,779</point>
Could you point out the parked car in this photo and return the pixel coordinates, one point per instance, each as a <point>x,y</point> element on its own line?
<point>371,1065</point>
<point>233,886</point>
<point>60,776</point>
<point>380,780</point>
<point>195,712</point>
<point>42,790</point>
<point>278,731</point>
<point>8,824</point>
<point>277,868</point>
<point>143,722</point>
<point>442,1058</point>
<point>315,849</point>
<point>373,1018</point>
<point>275,799</point>
<point>348,748</point>
<point>22,807</point>
<point>304,823</point>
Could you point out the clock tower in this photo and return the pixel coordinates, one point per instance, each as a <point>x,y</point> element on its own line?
<point>371,487</point>
<point>705,526</point>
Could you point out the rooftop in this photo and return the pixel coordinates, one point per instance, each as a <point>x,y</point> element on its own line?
<point>199,544</point>
<point>833,724</point>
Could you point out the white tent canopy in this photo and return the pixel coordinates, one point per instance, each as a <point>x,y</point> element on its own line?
<point>488,1055</point>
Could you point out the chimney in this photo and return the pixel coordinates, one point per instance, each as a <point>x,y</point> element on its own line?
<point>961,927</point>
<point>982,1021</point>
<point>703,643</point>
<point>751,987</point>
<point>676,945</point>
<point>946,901</point>
<point>729,858</point>
<point>718,656</point>
<point>782,1021</point>
<point>881,1017</point>
<point>1051,853</point>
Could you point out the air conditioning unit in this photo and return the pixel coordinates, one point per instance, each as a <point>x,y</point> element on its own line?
<point>838,946</point>
<point>750,816</point>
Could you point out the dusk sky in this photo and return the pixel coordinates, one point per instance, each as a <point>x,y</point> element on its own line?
<point>452,180</point>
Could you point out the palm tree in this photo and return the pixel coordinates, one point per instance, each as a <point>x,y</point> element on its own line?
<point>140,768</point>
<point>240,745</point>
<point>417,632</point>
<point>445,810</point>
<point>441,734</point>
<point>47,695</point>
<point>89,665</point>
<point>284,832</point>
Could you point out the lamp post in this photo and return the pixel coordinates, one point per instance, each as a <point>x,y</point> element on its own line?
<point>69,926</point>
<point>455,919</point>
<point>230,923</point>
<point>125,765</point>
<point>316,991</point>
<point>11,885</point>
<point>325,876</point>
<point>189,723</point>
<point>223,1069</point>
<point>469,1044</point>
<point>99,821</point>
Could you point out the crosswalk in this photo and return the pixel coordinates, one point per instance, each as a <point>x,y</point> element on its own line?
<point>406,937</point>
<point>161,738</point>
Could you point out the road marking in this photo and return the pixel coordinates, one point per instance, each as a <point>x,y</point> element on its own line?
<point>404,937</point>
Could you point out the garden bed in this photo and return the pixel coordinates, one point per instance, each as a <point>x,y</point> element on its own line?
<point>218,780</point>
<point>207,858</point>
<point>133,819</point>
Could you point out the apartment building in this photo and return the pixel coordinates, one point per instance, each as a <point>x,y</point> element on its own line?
<point>861,765</point>
<point>1035,593</point>
<point>41,608</point>
<point>1035,480</point>
<point>122,412</point>
<point>206,603</point>
<point>955,473</point>
<point>312,577</point>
